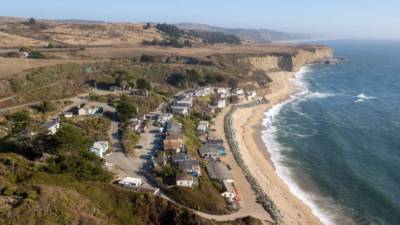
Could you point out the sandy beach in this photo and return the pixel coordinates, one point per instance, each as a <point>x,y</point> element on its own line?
<point>248,125</point>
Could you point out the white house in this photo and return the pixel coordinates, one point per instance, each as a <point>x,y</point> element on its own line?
<point>202,128</point>
<point>184,100</point>
<point>220,103</point>
<point>131,182</point>
<point>251,95</point>
<point>180,110</point>
<point>52,126</point>
<point>88,110</point>
<point>203,91</point>
<point>184,180</point>
<point>223,92</point>
<point>68,114</point>
<point>229,191</point>
<point>99,148</point>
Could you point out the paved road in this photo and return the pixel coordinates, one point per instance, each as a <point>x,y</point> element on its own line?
<point>134,166</point>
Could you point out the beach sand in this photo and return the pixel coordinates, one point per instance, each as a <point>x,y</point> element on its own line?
<point>248,126</point>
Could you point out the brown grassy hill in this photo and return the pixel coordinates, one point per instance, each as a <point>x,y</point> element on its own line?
<point>30,196</point>
<point>17,32</point>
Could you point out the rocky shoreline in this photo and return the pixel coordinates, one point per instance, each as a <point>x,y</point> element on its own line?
<point>262,197</point>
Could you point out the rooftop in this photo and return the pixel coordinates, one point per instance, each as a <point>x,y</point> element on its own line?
<point>218,170</point>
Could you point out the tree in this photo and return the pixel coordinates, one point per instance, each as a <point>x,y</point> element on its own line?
<point>125,109</point>
<point>70,138</point>
<point>147,58</point>
<point>32,21</point>
<point>143,84</point>
<point>147,26</point>
<point>233,83</point>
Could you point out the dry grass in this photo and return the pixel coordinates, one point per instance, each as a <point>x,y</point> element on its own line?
<point>11,66</point>
<point>11,40</point>
<point>201,52</point>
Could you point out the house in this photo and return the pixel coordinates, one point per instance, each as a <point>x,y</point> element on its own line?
<point>99,148</point>
<point>184,100</point>
<point>180,110</point>
<point>210,152</point>
<point>140,92</point>
<point>216,143</point>
<point>68,114</point>
<point>184,180</point>
<point>222,92</point>
<point>173,142</point>
<point>131,182</point>
<point>229,191</point>
<point>219,171</point>
<point>89,110</point>
<point>220,103</point>
<point>190,166</point>
<point>238,92</point>
<point>180,157</point>
<point>173,126</point>
<point>202,92</point>
<point>251,95</point>
<point>52,126</point>
<point>202,128</point>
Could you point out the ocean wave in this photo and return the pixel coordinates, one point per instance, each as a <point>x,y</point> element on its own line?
<point>275,149</point>
<point>363,97</point>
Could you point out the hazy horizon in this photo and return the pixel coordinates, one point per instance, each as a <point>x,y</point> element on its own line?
<point>340,19</point>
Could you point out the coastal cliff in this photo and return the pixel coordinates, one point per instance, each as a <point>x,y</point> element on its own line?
<point>288,61</point>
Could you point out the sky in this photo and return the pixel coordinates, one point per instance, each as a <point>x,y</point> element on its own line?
<point>339,18</point>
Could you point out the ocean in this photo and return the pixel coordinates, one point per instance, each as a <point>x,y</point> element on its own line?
<point>336,142</point>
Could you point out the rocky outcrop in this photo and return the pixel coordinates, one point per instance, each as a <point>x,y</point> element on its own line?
<point>287,61</point>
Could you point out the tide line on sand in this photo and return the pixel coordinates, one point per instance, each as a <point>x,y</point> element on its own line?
<point>247,125</point>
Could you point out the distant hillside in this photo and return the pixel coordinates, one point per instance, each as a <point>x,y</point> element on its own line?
<point>255,35</point>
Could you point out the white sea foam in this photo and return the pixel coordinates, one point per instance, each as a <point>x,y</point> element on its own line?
<point>275,150</point>
<point>363,97</point>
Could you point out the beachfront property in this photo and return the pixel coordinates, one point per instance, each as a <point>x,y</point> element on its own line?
<point>184,180</point>
<point>218,171</point>
<point>209,152</point>
<point>202,128</point>
<point>131,182</point>
<point>99,148</point>
<point>217,143</point>
<point>52,126</point>
<point>229,191</point>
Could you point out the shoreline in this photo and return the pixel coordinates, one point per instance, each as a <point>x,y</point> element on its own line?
<point>248,126</point>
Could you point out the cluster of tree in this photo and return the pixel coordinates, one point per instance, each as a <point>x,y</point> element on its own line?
<point>168,42</point>
<point>126,109</point>
<point>68,148</point>
<point>170,30</point>
<point>215,37</point>
<point>193,78</point>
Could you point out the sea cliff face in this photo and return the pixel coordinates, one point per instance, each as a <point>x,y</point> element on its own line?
<point>288,61</point>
